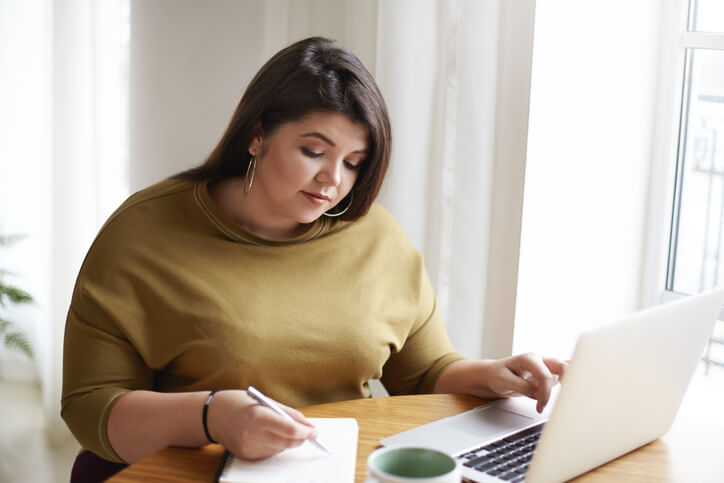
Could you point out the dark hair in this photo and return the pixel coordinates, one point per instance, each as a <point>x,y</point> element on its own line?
<point>312,75</point>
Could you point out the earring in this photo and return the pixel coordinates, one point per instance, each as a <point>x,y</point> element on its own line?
<point>249,176</point>
<point>340,213</point>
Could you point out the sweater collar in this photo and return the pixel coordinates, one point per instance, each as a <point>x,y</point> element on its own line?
<point>321,227</point>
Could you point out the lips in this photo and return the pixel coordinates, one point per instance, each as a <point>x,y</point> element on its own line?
<point>318,199</point>
<point>319,195</point>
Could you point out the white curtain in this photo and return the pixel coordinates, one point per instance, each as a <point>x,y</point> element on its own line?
<point>62,160</point>
<point>455,74</point>
<point>456,77</point>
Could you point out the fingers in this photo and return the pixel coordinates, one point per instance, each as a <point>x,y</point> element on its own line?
<point>542,377</point>
<point>296,429</point>
<point>512,384</point>
<point>265,444</point>
<point>556,366</point>
<point>297,415</point>
<point>539,376</point>
<point>252,431</point>
<point>277,433</point>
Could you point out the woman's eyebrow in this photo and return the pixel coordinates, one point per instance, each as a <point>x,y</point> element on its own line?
<point>320,136</point>
<point>328,141</point>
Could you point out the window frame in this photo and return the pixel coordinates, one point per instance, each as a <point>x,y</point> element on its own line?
<point>669,142</point>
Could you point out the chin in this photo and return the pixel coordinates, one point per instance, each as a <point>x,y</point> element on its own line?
<point>309,218</point>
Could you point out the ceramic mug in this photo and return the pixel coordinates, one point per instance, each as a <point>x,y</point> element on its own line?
<point>404,464</point>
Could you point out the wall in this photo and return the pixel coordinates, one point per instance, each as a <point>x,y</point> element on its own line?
<point>188,69</point>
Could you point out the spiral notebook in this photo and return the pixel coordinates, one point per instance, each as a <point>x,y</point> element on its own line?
<point>305,463</point>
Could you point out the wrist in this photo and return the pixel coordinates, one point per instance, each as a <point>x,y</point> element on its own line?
<point>205,416</point>
<point>468,377</point>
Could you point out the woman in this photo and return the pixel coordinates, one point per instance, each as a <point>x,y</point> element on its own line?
<point>268,265</point>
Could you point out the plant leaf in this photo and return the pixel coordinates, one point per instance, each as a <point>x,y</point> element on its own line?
<point>18,340</point>
<point>7,240</point>
<point>14,338</point>
<point>14,294</point>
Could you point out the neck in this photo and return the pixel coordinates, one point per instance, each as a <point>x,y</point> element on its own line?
<point>249,213</point>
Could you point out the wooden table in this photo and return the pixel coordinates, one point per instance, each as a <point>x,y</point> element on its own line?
<point>690,452</point>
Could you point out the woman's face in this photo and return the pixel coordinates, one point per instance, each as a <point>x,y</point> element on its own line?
<point>306,167</point>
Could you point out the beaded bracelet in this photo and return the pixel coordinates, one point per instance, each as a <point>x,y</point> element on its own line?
<point>205,413</point>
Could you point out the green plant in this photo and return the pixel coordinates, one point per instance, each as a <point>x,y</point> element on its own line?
<point>11,334</point>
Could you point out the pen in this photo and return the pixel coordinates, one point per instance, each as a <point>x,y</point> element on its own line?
<point>265,401</point>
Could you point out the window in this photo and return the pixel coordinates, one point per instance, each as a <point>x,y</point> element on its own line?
<point>696,249</point>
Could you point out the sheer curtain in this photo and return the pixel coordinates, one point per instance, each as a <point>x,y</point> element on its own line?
<point>455,74</point>
<point>456,77</point>
<point>62,161</point>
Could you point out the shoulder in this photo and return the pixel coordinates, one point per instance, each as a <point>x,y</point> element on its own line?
<point>380,219</point>
<point>151,204</point>
<point>378,225</point>
<point>144,217</point>
<point>164,189</point>
<point>381,230</point>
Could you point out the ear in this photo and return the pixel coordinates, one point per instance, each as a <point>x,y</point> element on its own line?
<point>256,140</point>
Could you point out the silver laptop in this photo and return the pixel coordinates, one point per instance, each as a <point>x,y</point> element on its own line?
<point>622,389</point>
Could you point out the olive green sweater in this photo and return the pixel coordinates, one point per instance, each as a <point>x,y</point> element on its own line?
<point>173,296</point>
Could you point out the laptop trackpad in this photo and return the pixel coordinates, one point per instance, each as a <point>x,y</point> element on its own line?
<point>463,431</point>
<point>489,421</point>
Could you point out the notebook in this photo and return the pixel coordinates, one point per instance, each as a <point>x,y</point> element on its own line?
<point>622,389</point>
<point>305,463</point>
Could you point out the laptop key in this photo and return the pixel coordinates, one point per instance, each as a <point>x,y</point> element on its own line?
<point>524,434</point>
<point>486,466</point>
<point>467,456</point>
<point>508,476</point>
<point>506,457</point>
<point>477,461</point>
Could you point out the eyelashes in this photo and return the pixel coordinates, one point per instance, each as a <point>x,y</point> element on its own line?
<point>312,154</point>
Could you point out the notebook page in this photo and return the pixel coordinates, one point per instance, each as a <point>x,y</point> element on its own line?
<point>305,463</point>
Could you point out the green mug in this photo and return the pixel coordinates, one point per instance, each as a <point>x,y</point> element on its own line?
<point>403,464</point>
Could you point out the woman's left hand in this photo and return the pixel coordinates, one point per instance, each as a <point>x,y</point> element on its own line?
<point>522,375</point>
<point>526,374</point>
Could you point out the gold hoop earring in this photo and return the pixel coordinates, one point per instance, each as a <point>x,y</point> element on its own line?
<point>249,176</point>
<point>333,215</point>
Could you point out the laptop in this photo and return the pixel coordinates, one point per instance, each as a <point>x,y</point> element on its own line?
<point>622,389</point>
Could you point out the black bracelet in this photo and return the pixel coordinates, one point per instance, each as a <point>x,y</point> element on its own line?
<point>205,413</point>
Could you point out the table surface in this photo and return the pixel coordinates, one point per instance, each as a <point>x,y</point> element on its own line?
<point>690,451</point>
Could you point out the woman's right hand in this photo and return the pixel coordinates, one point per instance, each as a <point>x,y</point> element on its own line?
<point>252,431</point>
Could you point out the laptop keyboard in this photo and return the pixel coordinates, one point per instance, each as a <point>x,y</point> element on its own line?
<point>506,459</point>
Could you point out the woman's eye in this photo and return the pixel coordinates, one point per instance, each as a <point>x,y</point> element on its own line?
<point>351,166</point>
<point>311,154</point>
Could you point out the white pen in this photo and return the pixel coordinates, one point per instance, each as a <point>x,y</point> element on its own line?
<point>265,401</point>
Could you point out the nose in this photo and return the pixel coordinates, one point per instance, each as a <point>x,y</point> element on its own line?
<point>330,172</point>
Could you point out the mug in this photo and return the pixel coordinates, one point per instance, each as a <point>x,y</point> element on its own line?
<point>403,464</point>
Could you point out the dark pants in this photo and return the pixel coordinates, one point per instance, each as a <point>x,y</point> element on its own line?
<point>90,468</point>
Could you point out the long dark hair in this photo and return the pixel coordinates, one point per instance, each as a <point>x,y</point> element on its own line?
<point>312,75</point>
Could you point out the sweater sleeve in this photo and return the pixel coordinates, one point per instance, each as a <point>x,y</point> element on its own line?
<point>99,365</point>
<point>426,352</point>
